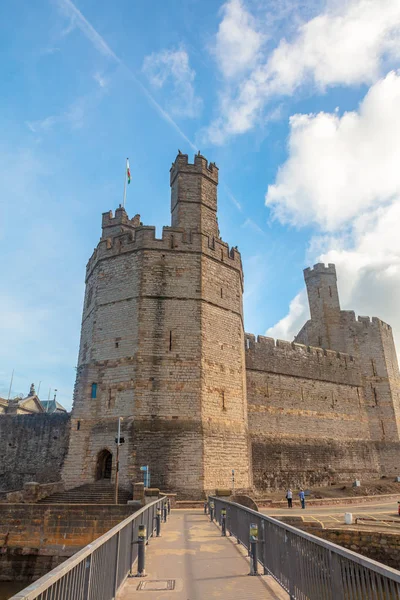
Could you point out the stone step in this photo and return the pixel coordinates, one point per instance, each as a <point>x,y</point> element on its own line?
<point>99,492</point>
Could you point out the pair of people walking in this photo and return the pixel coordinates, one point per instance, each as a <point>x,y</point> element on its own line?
<point>289,498</point>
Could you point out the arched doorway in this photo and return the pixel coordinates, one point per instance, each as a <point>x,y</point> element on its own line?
<point>104,465</point>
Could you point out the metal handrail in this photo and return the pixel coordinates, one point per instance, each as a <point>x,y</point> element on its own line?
<point>306,566</point>
<point>98,570</point>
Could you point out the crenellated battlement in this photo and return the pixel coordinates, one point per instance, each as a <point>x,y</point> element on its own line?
<point>199,166</point>
<point>289,358</point>
<point>267,342</point>
<point>319,269</point>
<point>143,237</point>
<point>120,218</point>
<point>365,321</point>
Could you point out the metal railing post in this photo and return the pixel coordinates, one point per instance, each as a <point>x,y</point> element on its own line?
<point>253,541</point>
<point>336,576</point>
<point>116,566</point>
<point>158,522</point>
<point>88,573</point>
<point>264,548</point>
<point>141,551</point>
<point>165,507</point>
<point>223,521</point>
<point>212,505</point>
<point>132,544</point>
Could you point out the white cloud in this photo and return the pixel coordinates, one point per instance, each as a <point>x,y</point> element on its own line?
<point>237,42</point>
<point>368,267</point>
<point>291,324</point>
<point>172,67</point>
<point>343,174</point>
<point>347,44</point>
<point>338,166</point>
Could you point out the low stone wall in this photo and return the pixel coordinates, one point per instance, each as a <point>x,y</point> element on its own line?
<point>35,538</point>
<point>383,547</point>
<point>33,492</point>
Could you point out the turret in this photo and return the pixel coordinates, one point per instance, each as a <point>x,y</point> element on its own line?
<point>194,195</point>
<point>323,296</point>
<point>120,223</point>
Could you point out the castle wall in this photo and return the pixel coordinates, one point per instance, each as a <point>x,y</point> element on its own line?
<point>32,448</point>
<point>372,341</point>
<point>307,415</point>
<point>280,462</point>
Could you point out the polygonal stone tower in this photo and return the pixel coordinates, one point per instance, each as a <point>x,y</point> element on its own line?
<point>162,345</point>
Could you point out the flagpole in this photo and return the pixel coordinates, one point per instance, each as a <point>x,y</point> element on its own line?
<point>126,175</point>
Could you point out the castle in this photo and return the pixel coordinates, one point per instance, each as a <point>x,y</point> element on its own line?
<point>163,346</point>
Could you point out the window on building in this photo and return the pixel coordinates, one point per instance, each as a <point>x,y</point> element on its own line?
<point>89,297</point>
<point>94,390</point>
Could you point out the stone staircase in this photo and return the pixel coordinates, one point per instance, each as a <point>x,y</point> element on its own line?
<point>99,492</point>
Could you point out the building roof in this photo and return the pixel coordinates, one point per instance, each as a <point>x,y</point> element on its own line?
<point>31,404</point>
<point>52,406</point>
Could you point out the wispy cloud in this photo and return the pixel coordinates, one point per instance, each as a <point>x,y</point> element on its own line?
<point>42,125</point>
<point>73,116</point>
<point>101,80</point>
<point>250,224</point>
<point>173,66</point>
<point>231,196</point>
<point>98,42</point>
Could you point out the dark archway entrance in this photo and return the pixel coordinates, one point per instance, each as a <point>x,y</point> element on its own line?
<point>104,465</point>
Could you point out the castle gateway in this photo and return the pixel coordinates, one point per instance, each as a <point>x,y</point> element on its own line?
<point>163,346</point>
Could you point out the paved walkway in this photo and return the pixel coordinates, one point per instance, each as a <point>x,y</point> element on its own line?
<point>203,565</point>
<point>333,516</point>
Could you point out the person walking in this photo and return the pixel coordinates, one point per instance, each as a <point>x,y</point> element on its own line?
<point>302,498</point>
<point>289,498</point>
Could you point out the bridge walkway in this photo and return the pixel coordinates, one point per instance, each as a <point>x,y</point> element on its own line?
<point>202,564</point>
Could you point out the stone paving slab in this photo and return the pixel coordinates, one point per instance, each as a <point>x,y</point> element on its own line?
<point>203,564</point>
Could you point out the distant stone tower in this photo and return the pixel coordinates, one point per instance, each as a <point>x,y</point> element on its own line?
<point>162,345</point>
<point>323,299</point>
<point>369,340</point>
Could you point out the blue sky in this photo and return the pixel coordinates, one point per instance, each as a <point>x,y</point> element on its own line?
<point>296,102</point>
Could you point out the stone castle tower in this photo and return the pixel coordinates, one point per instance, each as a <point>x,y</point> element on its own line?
<point>370,340</point>
<point>162,346</point>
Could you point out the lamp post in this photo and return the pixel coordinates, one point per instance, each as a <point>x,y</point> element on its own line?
<point>118,441</point>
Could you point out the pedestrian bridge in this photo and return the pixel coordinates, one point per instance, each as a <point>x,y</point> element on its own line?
<point>193,560</point>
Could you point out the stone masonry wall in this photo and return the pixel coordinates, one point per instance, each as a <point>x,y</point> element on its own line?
<point>35,538</point>
<point>32,448</point>
<point>307,415</point>
<point>280,462</point>
<point>382,546</point>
